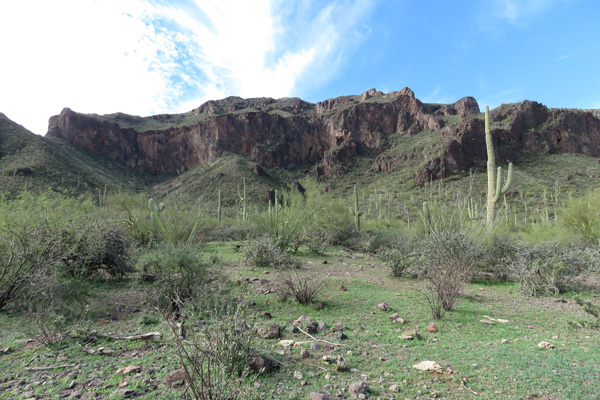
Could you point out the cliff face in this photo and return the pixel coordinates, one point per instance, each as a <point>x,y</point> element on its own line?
<point>277,133</point>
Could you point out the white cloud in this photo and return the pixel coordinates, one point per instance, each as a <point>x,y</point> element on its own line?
<point>518,12</point>
<point>154,56</point>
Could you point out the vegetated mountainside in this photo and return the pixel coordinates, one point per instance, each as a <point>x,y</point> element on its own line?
<point>29,161</point>
<point>435,140</point>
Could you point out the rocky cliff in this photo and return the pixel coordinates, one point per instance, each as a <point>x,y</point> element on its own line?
<point>277,133</point>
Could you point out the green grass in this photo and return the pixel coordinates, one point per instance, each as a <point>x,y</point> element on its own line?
<point>492,366</point>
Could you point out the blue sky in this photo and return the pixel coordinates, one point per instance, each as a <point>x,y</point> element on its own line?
<point>146,57</point>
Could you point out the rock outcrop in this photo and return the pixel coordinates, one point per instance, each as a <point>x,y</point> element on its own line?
<point>290,131</point>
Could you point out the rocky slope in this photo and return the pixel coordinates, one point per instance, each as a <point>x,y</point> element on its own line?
<point>279,133</point>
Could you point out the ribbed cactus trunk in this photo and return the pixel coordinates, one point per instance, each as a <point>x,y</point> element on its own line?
<point>495,188</point>
<point>491,170</point>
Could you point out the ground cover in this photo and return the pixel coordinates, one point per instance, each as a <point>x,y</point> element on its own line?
<point>491,359</point>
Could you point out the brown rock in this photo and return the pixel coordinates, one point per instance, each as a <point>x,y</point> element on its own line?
<point>129,369</point>
<point>342,288</point>
<point>319,305</point>
<point>357,388</point>
<point>432,328</point>
<point>274,332</point>
<point>304,353</point>
<point>384,306</point>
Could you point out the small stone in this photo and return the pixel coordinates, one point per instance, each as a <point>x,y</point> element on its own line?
<point>6,350</point>
<point>429,366</point>
<point>129,369</point>
<point>328,358</point>
<point>297,374</point>
<point>265,315</point>
<point>432,328</point>
<point>314,346</point>
<point>384,306</point>
<point>486,321</point>
<point>322,326</point>
<point>273,332</point>
<point>398,320</point>
<point>341,363</point>
<point>292,329</point>
<point>357,388</point>
<point>342,288</point>
<point>338,326</point>
<point>304,353</point>
<point>406,337</point>
<point>319,305</point>
<point>303,383</point>
<point>394,388</point>
<point>126,393</point>
<point>341,336</point>
<point>286,343</point>
<point>324,261</point>
<point>312,327</point>
<point>546,345</point>
<point>123,384</point>
<point>266,272</point>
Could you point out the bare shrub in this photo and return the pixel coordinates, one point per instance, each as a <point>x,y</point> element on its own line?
<point>451,254</point>
<point>547,268</point>
<point>216,359</point>
<point>304,290</point>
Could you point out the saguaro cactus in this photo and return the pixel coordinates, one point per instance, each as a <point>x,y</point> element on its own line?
<point>219,207</point>
<point>242,203</point>
<point>495,188</point>
<point>357,214</point>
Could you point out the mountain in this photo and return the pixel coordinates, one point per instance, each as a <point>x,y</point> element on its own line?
<point>29,161</point>
<point>398,130</point>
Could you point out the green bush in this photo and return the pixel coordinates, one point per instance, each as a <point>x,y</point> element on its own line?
<point>285,220</point>
<point>317,241</point>
<point>181,277</point>
<point>264,251</point>
<point>56,238</point>
<point>582,216</point>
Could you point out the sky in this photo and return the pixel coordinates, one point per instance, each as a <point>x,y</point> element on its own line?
<point>147,57</point>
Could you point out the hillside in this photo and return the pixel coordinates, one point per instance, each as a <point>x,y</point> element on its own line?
<point>28,161</point>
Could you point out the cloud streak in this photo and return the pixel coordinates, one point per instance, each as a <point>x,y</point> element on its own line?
<point>155,56</point>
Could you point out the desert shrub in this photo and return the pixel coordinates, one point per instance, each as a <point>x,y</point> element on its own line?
<point>379,240</point>
<point>95,248</point>
<point>285,220</point>
<point>181,277</point>
<point>317,240</point>
<point>56,305</point>
<point>177,224</point>
<point>399,261</point>
<point>497,256</point>
<point>56,237</point>
<point>216,359</point>
<point>451,252</point>
<point>591,309</point>
<point>345,235</point>
<point>547,268</point>
<point>303,290</point>
<point>582,216</point>
<point>265,251</point>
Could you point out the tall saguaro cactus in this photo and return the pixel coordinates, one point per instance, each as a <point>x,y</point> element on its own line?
<point>357,214</point>
<point>495,188</point>
<point>242,203</point>
<point>219,207</point>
